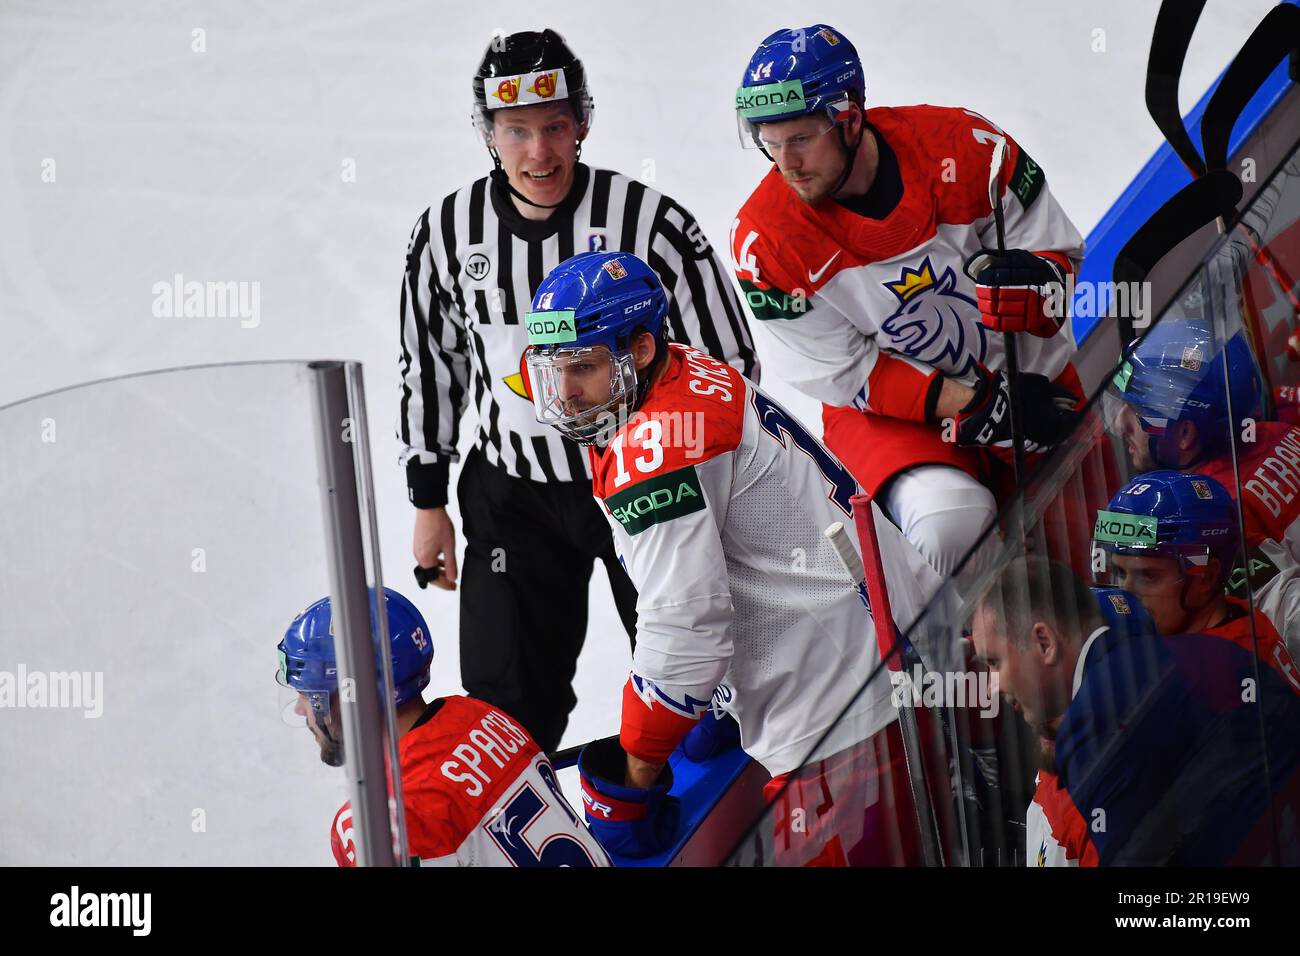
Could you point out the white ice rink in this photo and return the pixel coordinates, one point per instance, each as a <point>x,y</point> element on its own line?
<point>294,151</point>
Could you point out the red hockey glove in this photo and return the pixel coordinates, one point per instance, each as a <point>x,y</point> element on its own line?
<point>1018,291</point>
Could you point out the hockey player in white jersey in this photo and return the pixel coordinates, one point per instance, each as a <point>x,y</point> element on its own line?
<point>476,789</point>
<point>718,499</point>
<point>865,252</point>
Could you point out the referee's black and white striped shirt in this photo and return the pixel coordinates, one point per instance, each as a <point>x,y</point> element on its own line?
<point>472,267</point>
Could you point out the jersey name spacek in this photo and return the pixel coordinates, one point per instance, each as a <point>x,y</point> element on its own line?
<point>478,792</point>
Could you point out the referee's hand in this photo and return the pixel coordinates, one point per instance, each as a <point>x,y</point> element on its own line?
<point>435,545</point>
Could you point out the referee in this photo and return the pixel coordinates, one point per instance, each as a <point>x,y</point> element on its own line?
<point>532,527</point>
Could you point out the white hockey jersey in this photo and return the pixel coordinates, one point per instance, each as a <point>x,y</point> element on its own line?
<point>863,311</point>
<point>718,499</point>
<point>1056,833</point>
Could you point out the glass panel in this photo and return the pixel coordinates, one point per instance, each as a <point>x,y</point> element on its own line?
<point>1160,547</point>
<point>160,533</point>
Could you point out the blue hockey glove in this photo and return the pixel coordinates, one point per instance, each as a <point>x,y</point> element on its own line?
<point>629,821</point>
<point>711,736</point>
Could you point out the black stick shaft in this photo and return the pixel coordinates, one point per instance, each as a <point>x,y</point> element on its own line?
<point>569,755</point>
<point>1013,369</point>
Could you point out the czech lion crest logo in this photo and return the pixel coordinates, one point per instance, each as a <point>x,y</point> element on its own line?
<point>934,322</point>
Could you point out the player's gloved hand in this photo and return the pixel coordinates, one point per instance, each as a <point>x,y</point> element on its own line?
<point>629,821</point>
<point>1018,291</point>
<point>712,735</point>
<point>1047,411</point>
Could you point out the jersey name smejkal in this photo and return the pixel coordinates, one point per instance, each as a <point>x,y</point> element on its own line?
<point>496,739</point>
<point>708,376</point>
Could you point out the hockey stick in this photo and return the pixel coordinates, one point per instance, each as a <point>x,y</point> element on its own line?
<point>1215,192</point>
<point>1205,200</point>
<point>1008,338</point>
<point>1277,37</point>
<point>562,759</point>
<point>871,573</point>
<point>1175,24</point>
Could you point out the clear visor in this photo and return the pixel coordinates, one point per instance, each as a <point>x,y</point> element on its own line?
<point>763,135</point>
<point>1128,571</point>
<point>748,133</point>
<point>581,392</point>
<point>754,133</point>
<point>318,702</point>
<point>1121,418</point>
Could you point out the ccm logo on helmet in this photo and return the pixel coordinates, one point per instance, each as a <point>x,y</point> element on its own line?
<point>638,306</point>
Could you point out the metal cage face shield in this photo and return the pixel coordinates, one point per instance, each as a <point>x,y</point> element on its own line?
<point>581,391</point>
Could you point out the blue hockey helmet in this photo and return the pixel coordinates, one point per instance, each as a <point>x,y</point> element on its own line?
<point>585,315</point>
<point>308,663</point>
<point>797,72</point>
<point>1174,514</point>
<point>1175,373</point>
